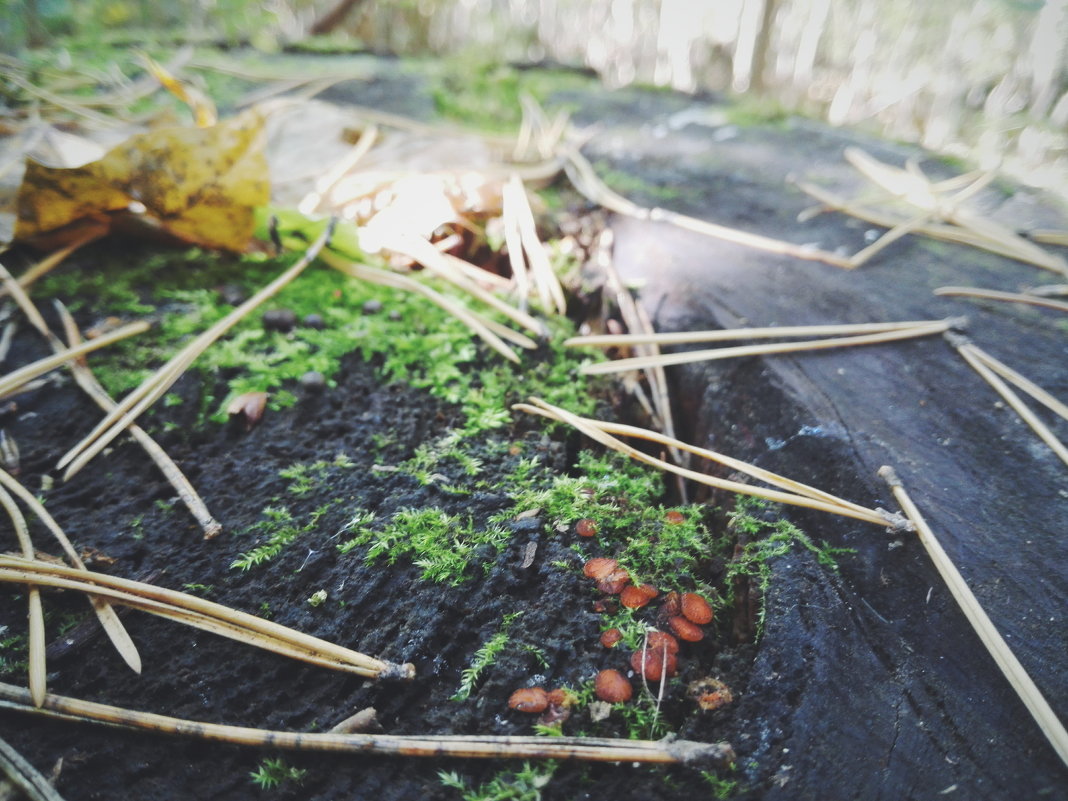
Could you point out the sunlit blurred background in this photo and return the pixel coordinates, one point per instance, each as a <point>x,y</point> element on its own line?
<point>983,79</point>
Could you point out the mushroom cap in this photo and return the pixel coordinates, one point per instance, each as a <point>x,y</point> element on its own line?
<point>612,686</point>
<point>614,582</point>
<point>657,664</point>
<point>529,699</point>
<point>695,608</point>
<point>685,630</point>
<point>611,637</point>
<point>661,640</point>
<point>599,567</point>
<point>635,597</point>
<point>586,527</point>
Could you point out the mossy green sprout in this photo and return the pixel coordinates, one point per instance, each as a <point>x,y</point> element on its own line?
<point>442,545</point>
<point>524,784</point>
<point>485,657</point>
<point>273,772</point>
<point>767,540</point>
<point>281,529</point>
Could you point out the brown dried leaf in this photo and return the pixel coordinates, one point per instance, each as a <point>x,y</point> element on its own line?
<point>199,185</point>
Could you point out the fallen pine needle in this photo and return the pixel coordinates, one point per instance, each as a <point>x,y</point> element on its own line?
<point>13,380</point>
<point>200,613</point>
<point>997,647</point>
<point>686,357</point>
<point>36,671</point>
<point>107,616</point>
<point>85,379</point>
<point>590,749</point>
<point>730,334</point>
<point>598,431</point>
<point>981,365</point>
<point>24,776</point>
<point>156,385</point>
<point>993,294</point>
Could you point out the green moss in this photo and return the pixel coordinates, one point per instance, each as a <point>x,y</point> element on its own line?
<point>280,529</point>
<point>442,545</point>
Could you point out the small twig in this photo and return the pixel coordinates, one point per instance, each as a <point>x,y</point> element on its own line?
<point>686,357</point>
<point>590,749</point>
<point>203,614</point>
<point>156,385</point>
<point>1028,386</point>
<point>24,776</point>
<point>997,647</point>
<point>598,431</point>
<point>993,294</point>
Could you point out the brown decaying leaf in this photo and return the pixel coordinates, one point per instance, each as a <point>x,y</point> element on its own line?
<point>197,184</point>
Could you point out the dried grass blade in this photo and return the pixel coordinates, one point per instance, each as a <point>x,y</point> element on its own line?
<point>313,201</point>
<point>730,334</point>
<point>109,620</point>
<point>967,351</point>
<point>582,175</point>
<point>668,359</point>
<point>911,225</point>
<point>10,382</point>
<point>993,294</point>
<point>595,432</point>
<point>997,647</point>
<point>201,613</point>
<point>37,671</point>
<point>156,385</point>
<point>487,747</point>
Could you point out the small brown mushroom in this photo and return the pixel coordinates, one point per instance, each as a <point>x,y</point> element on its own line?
<point>612,686</point>
<point>685,630</point>
<point>562,698</point>
<point>660,641</point>
<point>611,637</point>
<point>674,518</point>
<point>599,567</point>
<point>695,608</point>
<point>586,527</point>
<point>614,582</point>
<point>672,605</point>
<point>654,665</point>
<point>533,700</point>
<point>637,595</point>
<point>248,408</point>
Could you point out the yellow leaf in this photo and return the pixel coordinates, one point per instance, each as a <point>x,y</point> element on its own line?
<point>197,184</point>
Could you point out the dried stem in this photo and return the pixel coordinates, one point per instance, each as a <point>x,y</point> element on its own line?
<point>591,749</point>
<point>668,359</point>
<point>156,385</point>
<point>1004,657</point>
